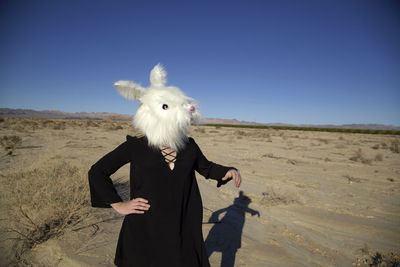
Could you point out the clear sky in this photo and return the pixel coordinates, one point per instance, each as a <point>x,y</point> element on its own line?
<point>300,62</point>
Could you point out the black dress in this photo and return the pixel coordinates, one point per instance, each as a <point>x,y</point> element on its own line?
<point>170,232</point>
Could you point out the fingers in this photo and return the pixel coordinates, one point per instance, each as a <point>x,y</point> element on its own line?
<point>237,178</point>
<point>141,199</point>
<point>138,205</point>
<point>225,178</point>
<point>137,211</point>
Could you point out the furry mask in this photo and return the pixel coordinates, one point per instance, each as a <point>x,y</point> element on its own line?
<point>165,113</point>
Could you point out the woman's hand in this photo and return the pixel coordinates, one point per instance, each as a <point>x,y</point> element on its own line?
<point>136,205</point>
<point>235,175</point>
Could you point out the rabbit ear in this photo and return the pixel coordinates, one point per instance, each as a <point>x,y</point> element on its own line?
<point>158,76</point>
<point>129,90</point>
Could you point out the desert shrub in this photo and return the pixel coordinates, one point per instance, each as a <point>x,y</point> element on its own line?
<point>34,125</point>
<point>384,145</point>
<point>273,198</point>
<point>259,133</point>
<point>322,140</point>
<point>42,203</point>
<point>377,259</point>
<point>359,156</point>
<point>375,146</point>
<point>48,123</point>
<point>297,128</point>
<point>351,179</point>
<point>200,130</point>
<point>240,133</point>
<point>90,123</point>
<point>2,119</point>
<point>394,146</point>
<point>213,131</point>
<point>59,125</point>
<point>292,161</point>
<point>378,157</point>
<point>18,127</point>
<point>269,155</point>
<point>77,123</point>
<point>264,134</point>
<point>10,143</point>
<point>113,126</point>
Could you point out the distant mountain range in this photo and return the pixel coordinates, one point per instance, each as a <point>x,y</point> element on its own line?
<point>56,114</point>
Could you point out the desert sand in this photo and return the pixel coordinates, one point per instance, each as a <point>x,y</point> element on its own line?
<point>307,198</point>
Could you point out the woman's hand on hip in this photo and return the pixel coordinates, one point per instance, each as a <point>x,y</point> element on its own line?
<point>136,206</point>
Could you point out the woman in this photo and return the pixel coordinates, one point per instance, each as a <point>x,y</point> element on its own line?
<point>163,219</point>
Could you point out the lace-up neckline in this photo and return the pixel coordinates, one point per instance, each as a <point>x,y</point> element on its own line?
<point>169,156</point>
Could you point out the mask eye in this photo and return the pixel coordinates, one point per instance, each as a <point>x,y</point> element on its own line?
<point>165,107</point>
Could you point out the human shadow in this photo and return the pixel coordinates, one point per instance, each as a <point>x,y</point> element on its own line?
<point>226,234</point>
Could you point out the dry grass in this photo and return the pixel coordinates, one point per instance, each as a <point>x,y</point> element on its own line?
<point>10,143</point>
<point>41,204</point>
<point>377,259</point>
<point>264,134</point>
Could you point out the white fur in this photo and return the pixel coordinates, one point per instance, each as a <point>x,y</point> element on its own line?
<point>130,90</point>
<point>158,76</point>
<point>161,127</point>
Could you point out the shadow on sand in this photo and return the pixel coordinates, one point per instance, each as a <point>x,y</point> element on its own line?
<point>226,234</point>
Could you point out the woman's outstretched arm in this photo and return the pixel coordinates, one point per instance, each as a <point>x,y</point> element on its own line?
<point>215,171</point>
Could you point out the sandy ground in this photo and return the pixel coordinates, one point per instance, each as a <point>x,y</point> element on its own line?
<point>306,199</point>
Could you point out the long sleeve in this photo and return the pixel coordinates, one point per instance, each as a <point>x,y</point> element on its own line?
<point>102,190</point>
<point>210,169</point>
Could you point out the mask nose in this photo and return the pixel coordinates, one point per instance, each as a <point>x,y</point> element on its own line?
<point>192,108</point>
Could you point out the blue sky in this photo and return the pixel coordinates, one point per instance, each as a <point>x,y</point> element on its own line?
<point>300,62</point>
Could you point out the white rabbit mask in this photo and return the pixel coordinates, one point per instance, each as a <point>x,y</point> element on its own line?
<point>165,113</point>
